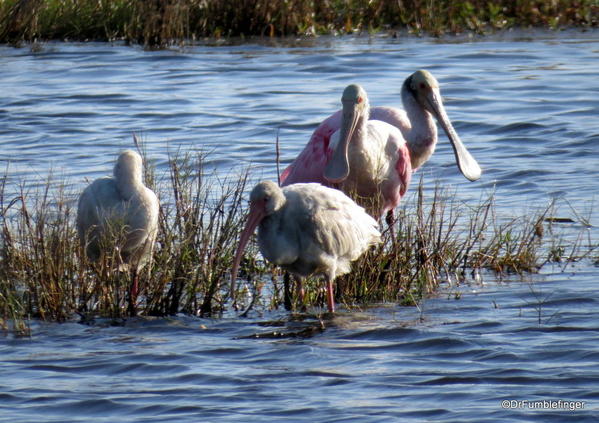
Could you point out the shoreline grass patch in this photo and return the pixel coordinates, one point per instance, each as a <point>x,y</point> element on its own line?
<point>163,22</point>
<point>44,274</point>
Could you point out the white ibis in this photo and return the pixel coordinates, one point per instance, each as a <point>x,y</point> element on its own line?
<point>307,229</point>
<point>118,216</point>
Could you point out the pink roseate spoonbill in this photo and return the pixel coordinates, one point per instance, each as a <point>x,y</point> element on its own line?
<point>119,215</point>
<point>367,159</point>
<point>422,101</point>
<point>307,229</point>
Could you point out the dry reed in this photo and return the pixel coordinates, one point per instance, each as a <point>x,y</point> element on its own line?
<point>44,274</point>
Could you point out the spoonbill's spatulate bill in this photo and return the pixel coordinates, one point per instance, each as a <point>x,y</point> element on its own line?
<point>421,98</point>
<point>307,229</point>
<point>120,209</point>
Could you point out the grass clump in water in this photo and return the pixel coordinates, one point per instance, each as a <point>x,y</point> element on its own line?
<point>197,239</point>
<point>162,22</point>
<point>45,274</point>
<point>442,240</point>
<point>438,239</point>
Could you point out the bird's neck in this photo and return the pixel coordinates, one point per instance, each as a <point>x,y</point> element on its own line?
<point>129,185</point>
<point>271,235</point>
<point>422,136</point>
<point>359,138</point>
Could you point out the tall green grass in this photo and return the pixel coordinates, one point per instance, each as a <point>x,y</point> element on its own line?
<point>162,22</point>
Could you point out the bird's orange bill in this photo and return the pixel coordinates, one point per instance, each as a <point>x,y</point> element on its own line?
<point>467,164</point>
<point>337,169</point>
<point>254,218</point>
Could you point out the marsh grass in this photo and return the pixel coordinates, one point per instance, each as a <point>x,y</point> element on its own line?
<point>196,239</point>
<point>45,274</point>
<point>443,240</point>
<point>164,22</point>
<point>438,239</point>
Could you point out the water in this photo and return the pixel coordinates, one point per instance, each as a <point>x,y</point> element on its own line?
<point>525,106</point>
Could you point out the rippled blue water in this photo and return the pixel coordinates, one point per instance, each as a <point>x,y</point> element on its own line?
<point>527,108</point>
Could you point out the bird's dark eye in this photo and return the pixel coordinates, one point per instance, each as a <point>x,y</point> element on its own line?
<point>410,84</point>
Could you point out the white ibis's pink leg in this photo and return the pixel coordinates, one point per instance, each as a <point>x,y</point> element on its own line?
<point>133,292</point>
<point>330,296</point>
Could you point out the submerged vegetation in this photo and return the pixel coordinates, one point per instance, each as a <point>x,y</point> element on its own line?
<point>162,22</point>
<point>44,272</point>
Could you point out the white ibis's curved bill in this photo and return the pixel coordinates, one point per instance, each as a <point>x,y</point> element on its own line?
<point>255,217</point>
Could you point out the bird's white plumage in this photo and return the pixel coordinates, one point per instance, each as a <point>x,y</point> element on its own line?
<point>330,230</point>
<point>374,177</point>
<point>307,229</point>
<point>122,207</point>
